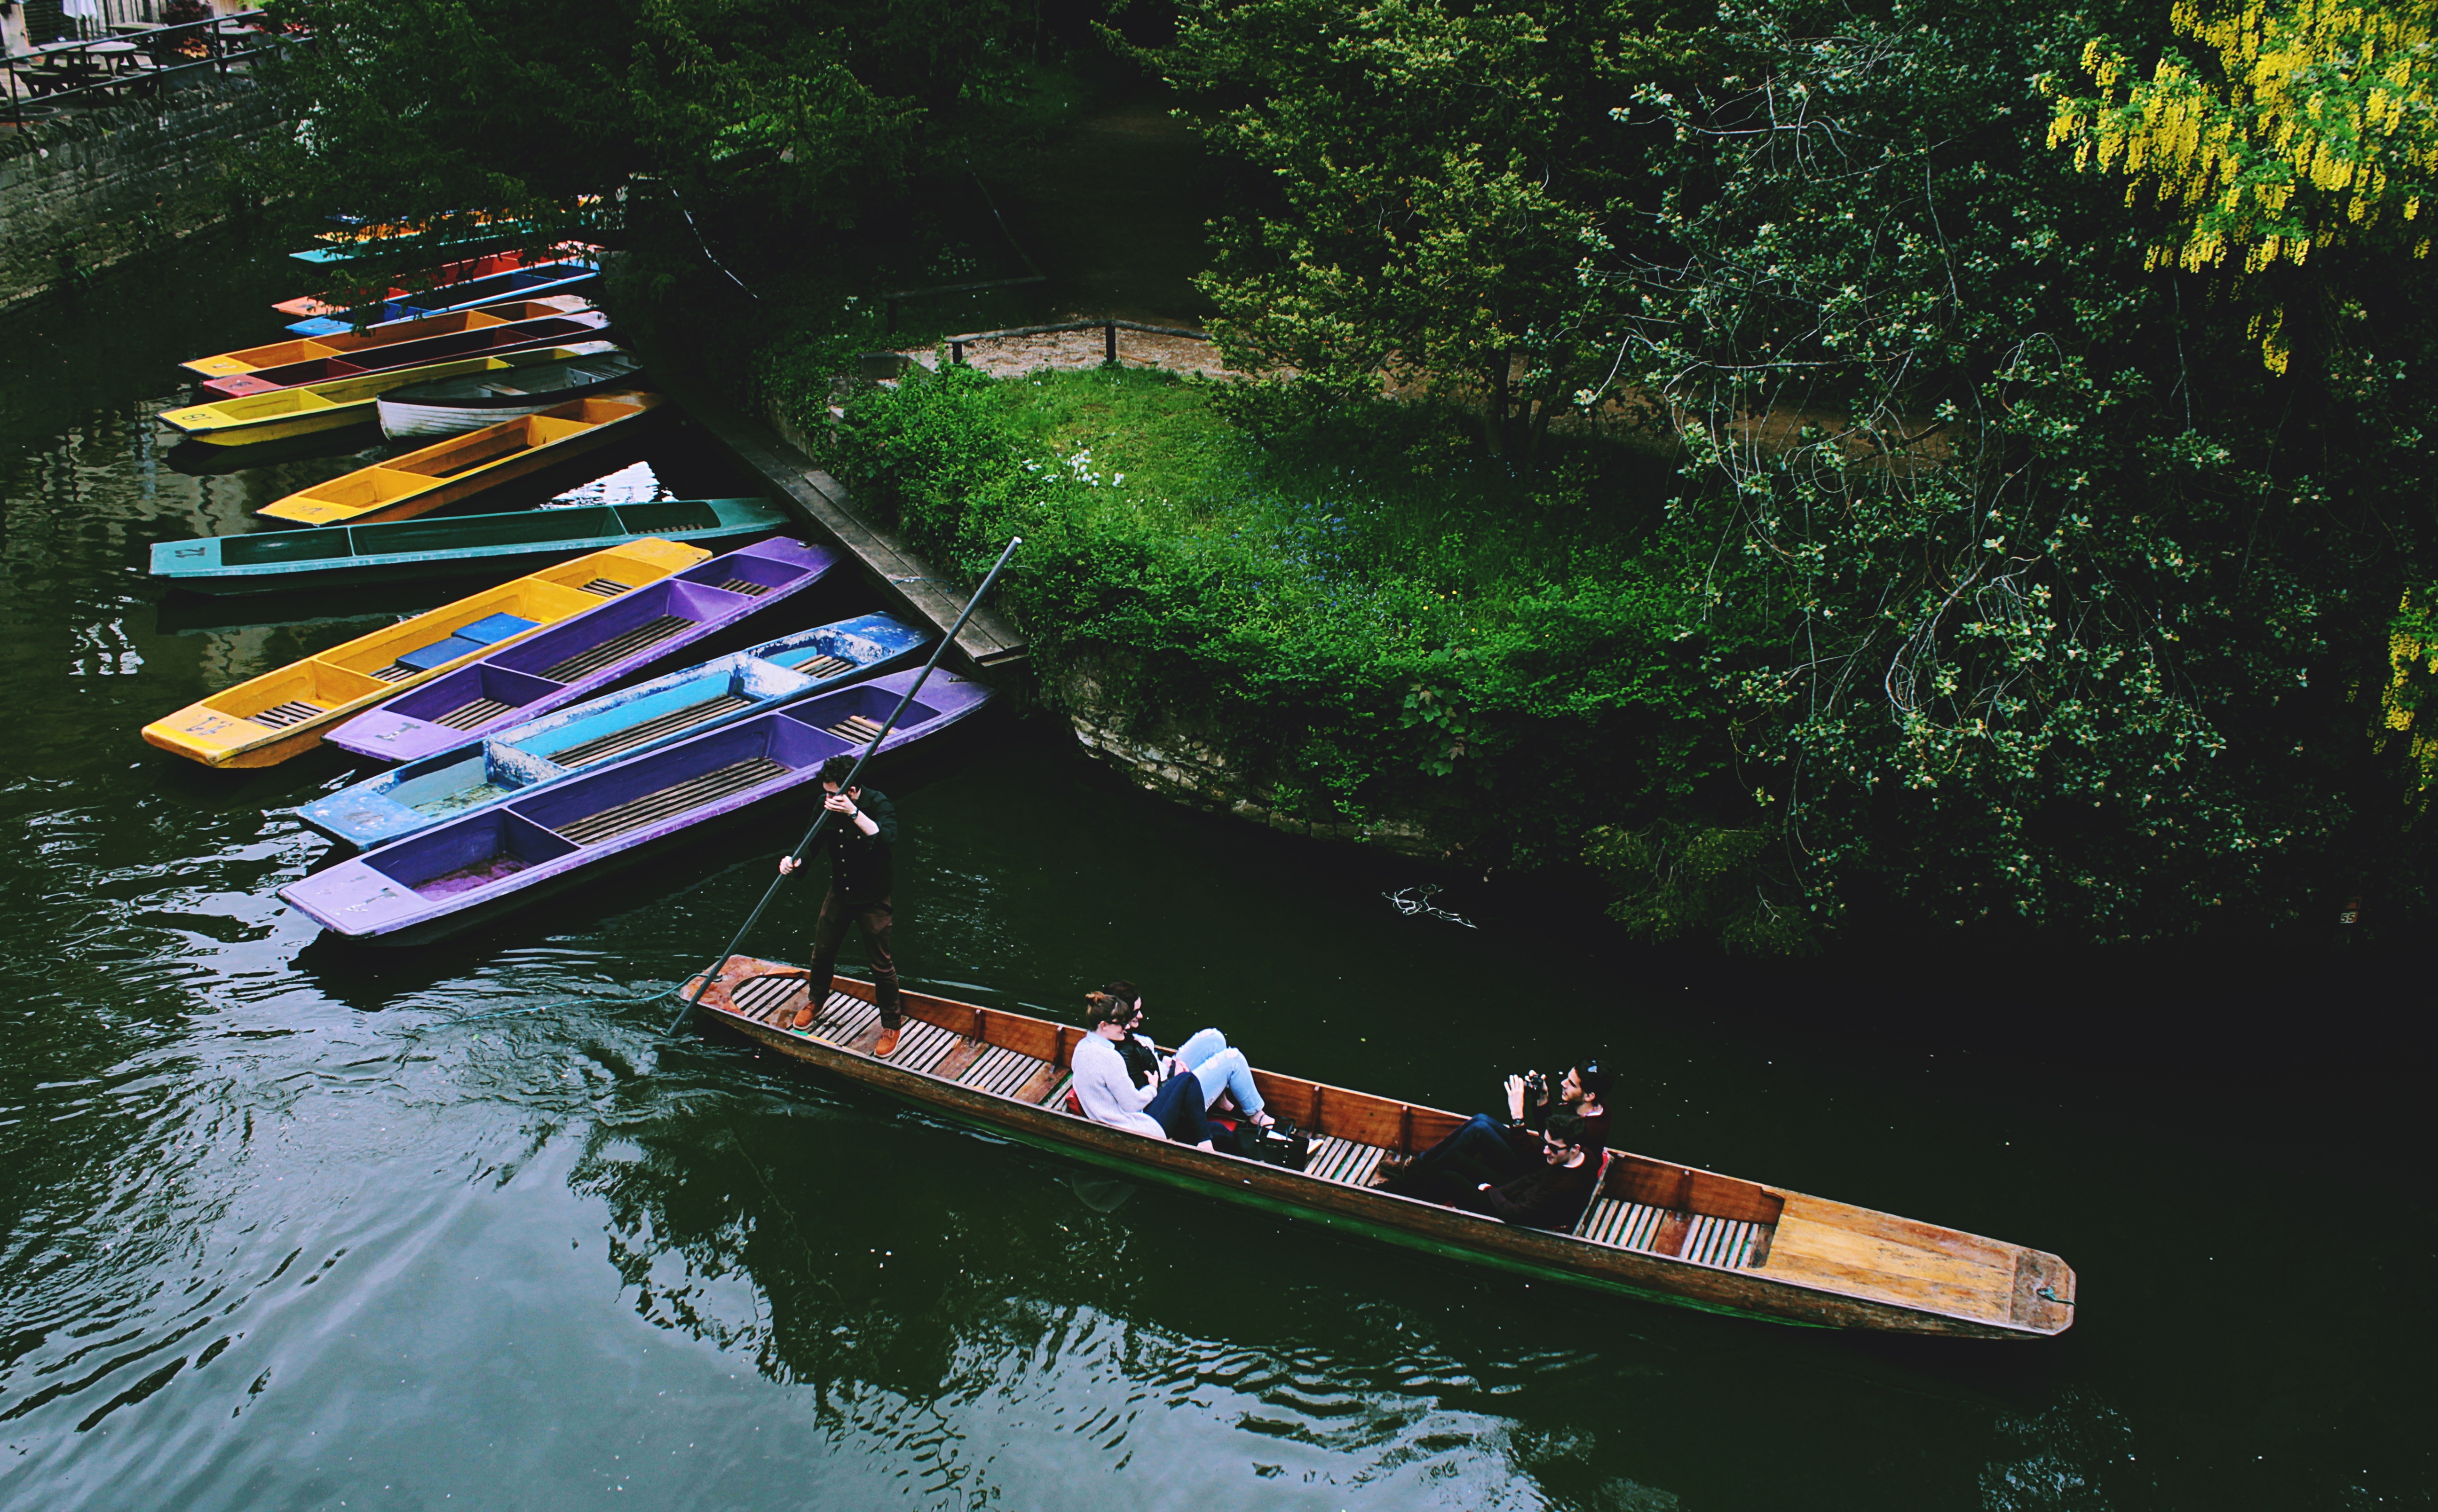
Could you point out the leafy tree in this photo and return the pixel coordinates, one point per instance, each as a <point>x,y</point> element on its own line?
<point>1448,168</point>
<point>782,118</point>
<point>2077,606</point>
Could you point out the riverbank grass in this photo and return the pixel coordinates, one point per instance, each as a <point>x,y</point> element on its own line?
<point>1372,619</point>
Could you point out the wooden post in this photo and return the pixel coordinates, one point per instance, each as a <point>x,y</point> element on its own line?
<point>956,353</point>
<point>1109,334</point>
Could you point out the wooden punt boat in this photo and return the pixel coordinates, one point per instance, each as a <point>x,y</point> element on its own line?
<point>523,758</point>
<point>306,348</point>
<point>489,340</point>
<point>451,545</point>
<point>264,720</point>
<point>279,414</point>
<point>462,271</point>
<point>470,868</point>
<point>424,481</point>
<point>535,282</point>
<point>1657,1231</point>
<point>452,406</point>
<point>585,655</point>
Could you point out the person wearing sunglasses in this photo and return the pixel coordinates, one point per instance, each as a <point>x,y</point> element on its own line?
<point>1225,1076</point>
<point>1121,1080</point>
<point>1488,1151</point>
<point>1553,1191</point>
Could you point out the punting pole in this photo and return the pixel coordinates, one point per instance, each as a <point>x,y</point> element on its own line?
<point>821,816</point>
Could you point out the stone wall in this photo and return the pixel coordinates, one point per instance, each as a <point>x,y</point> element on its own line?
<point>92,187</point>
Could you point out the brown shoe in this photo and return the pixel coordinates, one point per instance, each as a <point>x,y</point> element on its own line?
<point>803,1019</point>
<point>888,1041</point>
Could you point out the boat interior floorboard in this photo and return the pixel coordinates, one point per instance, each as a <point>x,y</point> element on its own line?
<point>667,802</point>
<point>592,660</point>
<point>465,717</point>
<point>650,729</point>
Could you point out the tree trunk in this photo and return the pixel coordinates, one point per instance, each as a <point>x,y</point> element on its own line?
<point>1493,419</point>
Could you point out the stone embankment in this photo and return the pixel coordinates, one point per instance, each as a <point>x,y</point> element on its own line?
<point>92,187</point>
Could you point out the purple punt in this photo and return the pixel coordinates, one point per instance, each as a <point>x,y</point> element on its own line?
<point>580,657</point>
<point>433,883</point>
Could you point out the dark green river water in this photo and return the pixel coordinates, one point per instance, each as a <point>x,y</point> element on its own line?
<point>280,1227</point>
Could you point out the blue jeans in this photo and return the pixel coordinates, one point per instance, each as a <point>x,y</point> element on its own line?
<point>1220,1069</point>
<point>1177,1105</point>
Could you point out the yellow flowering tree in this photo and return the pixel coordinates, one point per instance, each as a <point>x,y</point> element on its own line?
<point>2315,122</point>
<point>2408,714</point>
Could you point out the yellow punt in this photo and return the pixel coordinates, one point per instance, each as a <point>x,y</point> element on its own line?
<point>326,405</point>
<point>345,343</point>
<point>265,720</point>
<point>423,481</point>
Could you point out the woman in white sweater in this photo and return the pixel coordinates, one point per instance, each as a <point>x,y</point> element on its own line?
<point>1167,1102</point>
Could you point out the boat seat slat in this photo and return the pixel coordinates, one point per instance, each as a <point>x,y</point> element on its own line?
<point>651,729</point>
<point>1000,1070</point>
<point>1045,1087</point>
<point>839,1025</point>
<point>747,586</point>
<point>584,663</point>
<point>294,711</point>
<point>857,730</point>
<point>607,587</point>
<point>825,667</point>
<point>465,717</point>
<point>923,1046</point>
<point>1343,1160</point>
<point>667,802</point>
<point>766,998</point>
<point>396,671</point>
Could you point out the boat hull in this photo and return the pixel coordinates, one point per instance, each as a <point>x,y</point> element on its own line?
<point>633,721</point>
<point>474,867</point>
<point>539,674</point>
<point>408,413</point>
<point>1371,1213</point>
<point>282,713</point>
<point>395,490</point>
<point>280,414</point>
<point>202,565</point>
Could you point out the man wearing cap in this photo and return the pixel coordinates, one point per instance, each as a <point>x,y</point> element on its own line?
<point>862,827</point>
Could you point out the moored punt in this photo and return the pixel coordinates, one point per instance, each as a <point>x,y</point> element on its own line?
<point>459,467</point>
<point>1657,1230</point>
<point>305,349</point>
<point>451,545</point>
<point>453,874</point>
<point>265,720</point>
<point>554,329</point>
<point>585,654</point>
<point>562,277</point>
<point>612,727</point>
<point>448,407</point>
<point>462,271</point>
<point>305,408</point>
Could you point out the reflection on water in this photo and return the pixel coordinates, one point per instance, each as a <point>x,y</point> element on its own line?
<point>288,1225</point>
<point>636,485</point>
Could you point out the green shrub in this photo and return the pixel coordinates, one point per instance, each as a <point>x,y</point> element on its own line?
<point>1368,619</point>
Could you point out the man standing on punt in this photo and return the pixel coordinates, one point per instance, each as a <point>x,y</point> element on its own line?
<point>858,840</point>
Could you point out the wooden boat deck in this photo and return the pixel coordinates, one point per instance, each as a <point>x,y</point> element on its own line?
<point>1655,1228</point>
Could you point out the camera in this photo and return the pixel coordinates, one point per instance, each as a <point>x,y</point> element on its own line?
<point>1537,1084</point>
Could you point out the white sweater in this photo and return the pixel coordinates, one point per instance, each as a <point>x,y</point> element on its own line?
<point>1108,1094</point>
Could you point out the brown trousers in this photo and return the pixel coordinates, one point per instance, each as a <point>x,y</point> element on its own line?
<point>829,932</point>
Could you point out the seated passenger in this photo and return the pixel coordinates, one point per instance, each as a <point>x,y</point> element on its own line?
<point>1224,1074</point>
<point>1120,1080</point>
<point>1486,1150</point>
<point>1551,1194</point>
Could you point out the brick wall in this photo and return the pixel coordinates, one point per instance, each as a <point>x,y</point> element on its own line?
<point>96,186</point>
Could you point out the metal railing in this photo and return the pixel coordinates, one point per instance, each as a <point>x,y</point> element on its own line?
<point>133,61</point>
<point>1108,327</point>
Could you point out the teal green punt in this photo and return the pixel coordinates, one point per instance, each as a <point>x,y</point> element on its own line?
<point>446,546</point>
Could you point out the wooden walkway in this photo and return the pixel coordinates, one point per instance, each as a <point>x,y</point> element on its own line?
<point>988,640</point>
